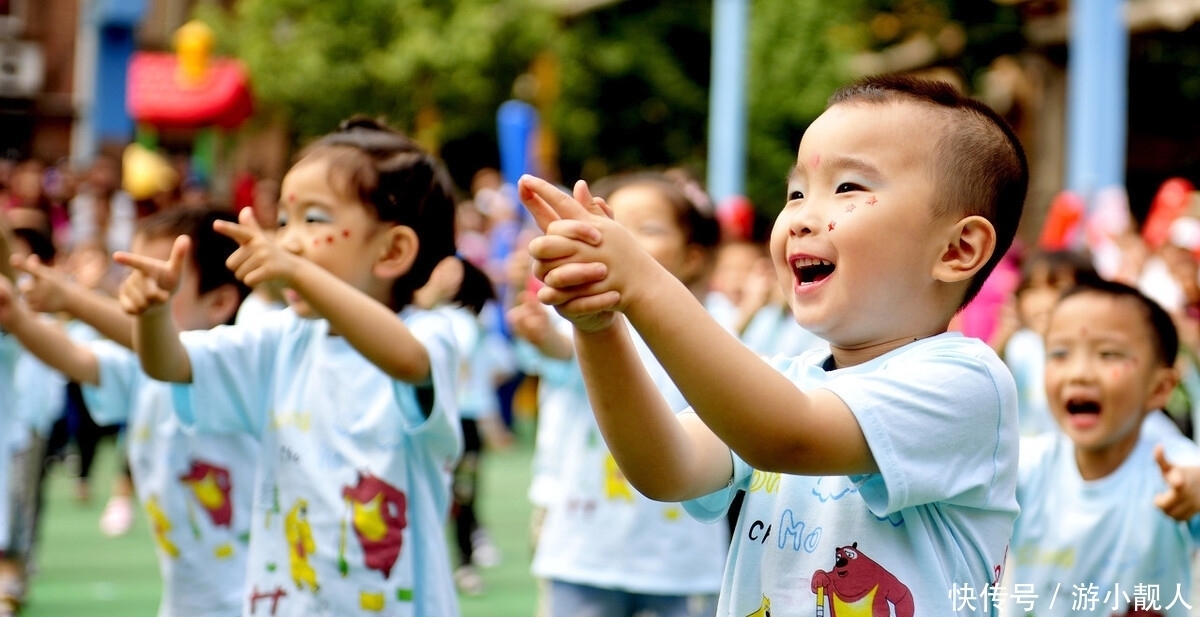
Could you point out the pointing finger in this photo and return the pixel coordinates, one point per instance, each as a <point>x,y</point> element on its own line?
<point>1160,457</point>
<point>560,204</point>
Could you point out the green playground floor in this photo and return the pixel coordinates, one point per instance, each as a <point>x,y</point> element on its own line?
<point>82,573</point>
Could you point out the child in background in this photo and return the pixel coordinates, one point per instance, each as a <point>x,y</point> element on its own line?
<point>353,404</point>
<point>39,402</point>
<point>903,197</point>
<point>604,548</point>
<point>12,573</point>
<point>1018,335</point>
<point>195,488</point>
<point>466,290</point>
<point>1107,510</point>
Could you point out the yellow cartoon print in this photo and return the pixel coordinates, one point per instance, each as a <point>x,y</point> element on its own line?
<point>764,609</point>
<point>615,484</point>
<point>300,545</point>
<point>160,526</point>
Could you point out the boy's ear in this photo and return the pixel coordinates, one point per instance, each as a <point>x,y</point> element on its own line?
<point>400,246</point>
<point>223,303</point>
<point>971,243</point>
<point>1165,381</point>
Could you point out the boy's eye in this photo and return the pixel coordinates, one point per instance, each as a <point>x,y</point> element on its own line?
<point>1111,354</point>
<point>848,187</point>
<point>794,195</point>
<point>1056,354</point>
<point>281,221</point>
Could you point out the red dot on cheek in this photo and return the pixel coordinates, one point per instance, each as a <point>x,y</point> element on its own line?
<point>329,239</point>
<point>345,233</point>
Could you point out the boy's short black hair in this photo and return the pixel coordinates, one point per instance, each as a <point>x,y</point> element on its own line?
<point>1166,336</point>
<point>979,163</point>
<point>39,242</point>
<point>210,249</point>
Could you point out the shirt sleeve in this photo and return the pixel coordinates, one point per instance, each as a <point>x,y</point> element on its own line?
<point>941,424</point>
<point>232,376</point>
<point>713,506</point>
<point>111,401</point>
<point>436,405</point>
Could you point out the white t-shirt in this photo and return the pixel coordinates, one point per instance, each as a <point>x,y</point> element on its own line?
<point>1083,547</point>
<point>939,416</point>
<point>195,488</point>
<point>599,531</point>
<point>352,491</point>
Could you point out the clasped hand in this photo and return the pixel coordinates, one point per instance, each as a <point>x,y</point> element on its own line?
<point>587,261</point>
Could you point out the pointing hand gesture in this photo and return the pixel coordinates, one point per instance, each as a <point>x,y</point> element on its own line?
<point>45,289</point>
<point>1181,500</point>
<point>152,282</point>
<point>258,258</point>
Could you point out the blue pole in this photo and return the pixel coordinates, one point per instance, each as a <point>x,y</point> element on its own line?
<point>1097,69</point>
<point>727,100</point>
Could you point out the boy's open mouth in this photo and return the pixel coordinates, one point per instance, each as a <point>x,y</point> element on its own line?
<point>811,270</point>
<point>1082,406</point>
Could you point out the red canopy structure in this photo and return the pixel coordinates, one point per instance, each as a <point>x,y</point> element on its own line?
<point>188,89</point>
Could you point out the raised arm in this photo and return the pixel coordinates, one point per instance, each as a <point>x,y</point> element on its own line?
<point>146,293</point>
<point>48,291</point>
<point>747,404</point>
<point>47,341</point>
<point>367,324</point>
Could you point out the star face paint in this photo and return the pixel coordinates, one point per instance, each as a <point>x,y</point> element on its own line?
<point>871,200</point>
<point>850,208</point>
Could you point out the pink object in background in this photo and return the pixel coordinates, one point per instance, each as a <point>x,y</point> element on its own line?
<point>978,319</point>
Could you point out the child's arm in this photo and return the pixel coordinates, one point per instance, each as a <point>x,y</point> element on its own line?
<point>1181,500</point>
<point>46,341</point>
<point>370,326</point>
<point>592,266</point>
<point>48,291</point>
<point>146,293</point>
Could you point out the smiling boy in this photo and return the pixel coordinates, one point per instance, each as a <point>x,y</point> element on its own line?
<point>879,476</point>
<point>1094,502</point>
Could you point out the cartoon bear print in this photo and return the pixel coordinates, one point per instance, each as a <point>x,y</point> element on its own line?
<point>858,586</point>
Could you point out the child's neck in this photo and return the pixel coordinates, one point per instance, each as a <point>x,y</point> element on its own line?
<point>1094,465</point>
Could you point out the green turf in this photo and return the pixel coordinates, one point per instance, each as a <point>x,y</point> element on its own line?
<point>84,574</point>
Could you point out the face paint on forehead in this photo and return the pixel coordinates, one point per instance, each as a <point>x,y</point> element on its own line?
<point>291,198</point>
<point>814,161</point>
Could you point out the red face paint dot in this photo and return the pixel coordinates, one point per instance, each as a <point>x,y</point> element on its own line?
<point>317,242</point>
<point>814,161</point>
<point>345,233</point>
<point>329,239</point>
<point>292,197</point>
<point>832,224</point>
<point>871,200</point>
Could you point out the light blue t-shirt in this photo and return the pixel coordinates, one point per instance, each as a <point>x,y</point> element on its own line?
<point>353,483</point>
<point>599,531</point>
<point>1099,547</point>
<point>773,331</point>
<point>1025,355</point>
<point>939,417</point>
<point>9,352</point>
<point>195,488</point>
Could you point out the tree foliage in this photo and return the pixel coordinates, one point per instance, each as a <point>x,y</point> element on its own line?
<point>433,68</point>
